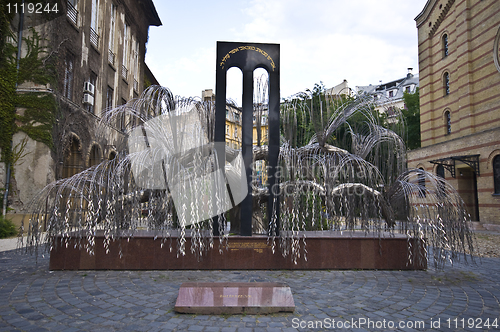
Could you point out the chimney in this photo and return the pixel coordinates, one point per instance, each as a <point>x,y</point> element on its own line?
<point>409,75</point>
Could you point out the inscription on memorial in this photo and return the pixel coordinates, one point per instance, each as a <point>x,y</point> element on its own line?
<point>234,298</point>
<point>247,48</point>
<point>256,246</point>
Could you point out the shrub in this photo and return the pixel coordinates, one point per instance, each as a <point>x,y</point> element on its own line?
<point>7,228</point>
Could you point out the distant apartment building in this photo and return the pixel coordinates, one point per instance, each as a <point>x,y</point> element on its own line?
<point>459,63</point>
<point>388,97</point>
<point>100,47</point>
<point>341,89</point>
<point>234,131</point>
<point>233,122</point>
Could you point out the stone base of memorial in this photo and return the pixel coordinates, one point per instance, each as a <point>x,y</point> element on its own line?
<point>325,250</point>
<point>216,298</point>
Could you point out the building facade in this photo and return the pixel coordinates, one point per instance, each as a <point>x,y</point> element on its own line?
<point>341,89</point>
<point>458,43</point>
<point>389,96</point>
<point>100,47</point>
<point>233,122</point>
<point>234,131</point>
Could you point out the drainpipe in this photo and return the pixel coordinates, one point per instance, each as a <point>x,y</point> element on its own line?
<point>9,166</point>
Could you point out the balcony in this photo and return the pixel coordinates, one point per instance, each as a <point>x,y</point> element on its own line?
<point>124,72</point>
<point>72,14</point>
<point>94,38</point>
<point>111,58</point>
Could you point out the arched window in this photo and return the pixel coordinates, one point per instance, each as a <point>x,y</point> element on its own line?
<point>447,122</point>
<point>496,173</point>
<point>95,155</point>
<point>112,155</point>
<point>446,84</point>
<point>73,162</point>
<point>445,45</point>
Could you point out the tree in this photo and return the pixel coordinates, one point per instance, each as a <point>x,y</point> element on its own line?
<point>411,114</point>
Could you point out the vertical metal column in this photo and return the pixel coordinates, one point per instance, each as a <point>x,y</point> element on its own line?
<point>220,128</point>
<point>247,151</point>
<point>273,150</point>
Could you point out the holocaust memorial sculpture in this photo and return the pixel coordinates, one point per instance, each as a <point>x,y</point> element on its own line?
<point>336,191</point>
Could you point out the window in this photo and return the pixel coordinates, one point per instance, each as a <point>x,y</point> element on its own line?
<point>441,185</point>
<point>93,80</point>
<point>125,50</point>
<point>236,132</point>
<point>227,129</point>
<point>407,89</point>
<point>446,84</point>
<point>421,182</point>
<point>94,37</point>
<point>391,111</point>
<point>109,98</point>
<point>447,120</point>
<point>95,155</point>
<point>391,94</point>
<point>112,24</point>
<point>73,161</point>
<point>121,117</point>
<point>136,65</point>
<point>68,77</point>
<point>496,174</point>
<point>72,13</point>
<point>440,171</point>
<point>445,45</point>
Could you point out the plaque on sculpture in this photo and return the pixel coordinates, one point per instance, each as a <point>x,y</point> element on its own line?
<point>234,298</point>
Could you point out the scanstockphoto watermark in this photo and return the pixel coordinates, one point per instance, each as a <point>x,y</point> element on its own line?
<point>333,181</point>
<point>371,324</point>
<point>362,323</point>
<point>341,172</point>
<point>332,186</point>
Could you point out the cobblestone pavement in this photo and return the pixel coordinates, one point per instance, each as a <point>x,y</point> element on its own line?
<point>32,298</point>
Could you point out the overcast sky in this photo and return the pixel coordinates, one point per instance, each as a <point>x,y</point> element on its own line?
<point>362,41</point>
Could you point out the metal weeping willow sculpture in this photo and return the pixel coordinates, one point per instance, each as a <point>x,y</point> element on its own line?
<point>334,173</point>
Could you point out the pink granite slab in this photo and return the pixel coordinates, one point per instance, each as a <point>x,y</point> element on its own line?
<point>234,298</point>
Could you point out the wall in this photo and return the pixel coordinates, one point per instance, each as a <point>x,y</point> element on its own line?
<point>487,145</point>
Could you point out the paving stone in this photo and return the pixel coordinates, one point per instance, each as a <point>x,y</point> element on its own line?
<point>40,300</point>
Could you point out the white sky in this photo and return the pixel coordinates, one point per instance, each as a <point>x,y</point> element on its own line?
<point>362,41</point>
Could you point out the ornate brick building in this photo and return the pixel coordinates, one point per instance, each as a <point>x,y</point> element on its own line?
<point>458,43</point>
<point>100,47</point>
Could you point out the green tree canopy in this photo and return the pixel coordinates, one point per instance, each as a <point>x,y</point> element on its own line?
<point>412,119</point>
